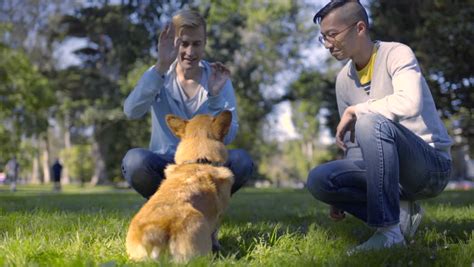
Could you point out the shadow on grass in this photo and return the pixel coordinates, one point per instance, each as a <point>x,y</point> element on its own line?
<point>260,216</point>
<point>295,211</point>
<point>452,229</point>
<point>124,203</point>
<point>452,198</point>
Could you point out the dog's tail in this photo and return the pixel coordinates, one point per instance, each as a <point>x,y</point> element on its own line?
<point>150,244</point>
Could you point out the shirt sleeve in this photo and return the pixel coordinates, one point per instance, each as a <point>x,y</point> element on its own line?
<point>407,82</point>
<point>342,104</point>
<point>140,99</point>
<point>225,100</point>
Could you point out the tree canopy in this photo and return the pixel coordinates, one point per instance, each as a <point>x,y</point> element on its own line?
<point>78,109</point>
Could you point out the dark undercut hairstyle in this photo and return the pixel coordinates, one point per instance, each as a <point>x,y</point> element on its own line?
<point>359,12</point>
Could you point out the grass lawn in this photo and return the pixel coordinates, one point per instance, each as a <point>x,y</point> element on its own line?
<point>271,227</point>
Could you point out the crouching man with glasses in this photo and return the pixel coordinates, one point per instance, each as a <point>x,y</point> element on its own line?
<point>397,150</point>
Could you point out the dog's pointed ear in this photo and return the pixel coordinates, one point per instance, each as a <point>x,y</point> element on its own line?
<point>176,124</point>
<point>221,124</point>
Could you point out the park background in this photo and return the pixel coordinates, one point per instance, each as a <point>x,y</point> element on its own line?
<point>66,68</point>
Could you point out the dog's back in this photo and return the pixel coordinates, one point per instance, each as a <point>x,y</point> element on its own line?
<point>181,216</point>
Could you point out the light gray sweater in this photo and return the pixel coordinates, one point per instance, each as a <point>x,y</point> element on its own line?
<point>398,91</point>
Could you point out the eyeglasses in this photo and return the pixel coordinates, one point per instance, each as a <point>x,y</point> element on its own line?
<point>332,37</point>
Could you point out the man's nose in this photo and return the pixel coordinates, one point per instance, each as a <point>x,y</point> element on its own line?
<point>328,45</point>
<point>189,50</point>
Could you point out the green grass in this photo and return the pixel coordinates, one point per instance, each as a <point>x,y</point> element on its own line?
<point>271,227</point>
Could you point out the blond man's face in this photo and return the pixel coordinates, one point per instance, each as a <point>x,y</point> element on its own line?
<point>192,42</point>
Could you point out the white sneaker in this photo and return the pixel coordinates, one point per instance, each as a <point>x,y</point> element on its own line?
<point>376,242</point>
<point>411,214</point>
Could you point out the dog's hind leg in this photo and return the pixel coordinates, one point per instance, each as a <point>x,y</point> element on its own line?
<point>149,243</point>
<point>136,250</point>
<point>193,240</point>
<point>156,240</point>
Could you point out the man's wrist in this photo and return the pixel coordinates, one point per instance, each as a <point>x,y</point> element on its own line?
<point>351,110</point>
<point>161,69</point>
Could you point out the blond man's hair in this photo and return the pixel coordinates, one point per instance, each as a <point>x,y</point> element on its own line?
<point>188,19</point>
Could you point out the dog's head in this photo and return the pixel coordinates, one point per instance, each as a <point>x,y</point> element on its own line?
<point>201,137</point>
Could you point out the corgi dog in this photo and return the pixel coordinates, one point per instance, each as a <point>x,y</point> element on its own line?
<point>181,216</point>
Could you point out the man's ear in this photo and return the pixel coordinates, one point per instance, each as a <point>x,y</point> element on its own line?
<point>221,124</point>
<point>176,124</point>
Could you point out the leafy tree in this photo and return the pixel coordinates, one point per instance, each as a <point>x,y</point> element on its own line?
<point>29,25</point>
<point>25,30</point>
<point>92,93</point>
<point>257,40</point>
<point>314,93</point>
<point>24,100</point>
<point>302,158</point>
<point>440,33</point>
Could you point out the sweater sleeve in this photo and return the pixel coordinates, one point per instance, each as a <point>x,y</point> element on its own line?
<point>342,105</point>
<point>140,99</point>
<point>225,100</point>
<point>407,81</point>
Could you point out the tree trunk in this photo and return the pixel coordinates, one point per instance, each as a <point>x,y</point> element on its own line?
<point>45,160</point>
<point>67,145</point>
<point>35,173</point>
<point>100,173</point>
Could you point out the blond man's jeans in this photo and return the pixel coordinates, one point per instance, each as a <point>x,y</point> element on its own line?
<point>144,170</point>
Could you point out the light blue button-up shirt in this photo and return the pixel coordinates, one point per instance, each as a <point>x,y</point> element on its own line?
<point>162,97</point>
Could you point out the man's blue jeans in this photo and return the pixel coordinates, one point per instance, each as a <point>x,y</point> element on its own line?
<point>144,170</point>
<point>390,163</point>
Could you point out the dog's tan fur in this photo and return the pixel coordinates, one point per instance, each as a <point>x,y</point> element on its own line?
<point>181,216</point>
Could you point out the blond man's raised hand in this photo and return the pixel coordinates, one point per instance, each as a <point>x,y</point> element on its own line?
<point>167,48</point>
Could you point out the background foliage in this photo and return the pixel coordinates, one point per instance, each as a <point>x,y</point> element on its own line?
<point>47,107</point>
<point>440,32</point>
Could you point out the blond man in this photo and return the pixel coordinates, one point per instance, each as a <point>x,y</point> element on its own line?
<point>184,84</point>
